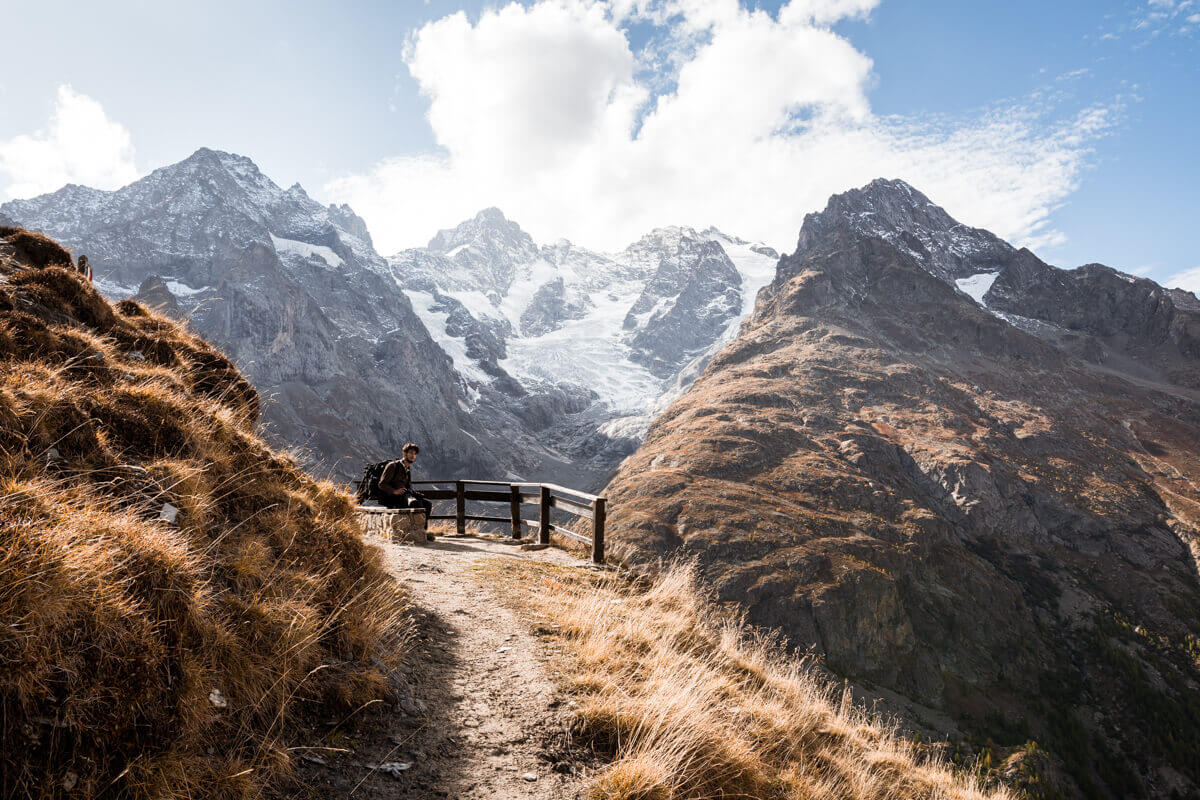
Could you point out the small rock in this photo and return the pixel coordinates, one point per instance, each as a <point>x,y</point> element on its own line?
<point>314,759</point>
<point>411,705</point>
<point>168,515</point>
<point>392,768</point>
<point>217,699</point>
<point>52,454</point>
<point>503,649</point>
<point>529,776</point>
<point>136,355</point>
<point>70,780</point>
<point>471,722</point>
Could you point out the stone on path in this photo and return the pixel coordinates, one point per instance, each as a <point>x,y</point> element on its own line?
<point>398,525</point>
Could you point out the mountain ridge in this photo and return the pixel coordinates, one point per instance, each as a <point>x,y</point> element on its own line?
<point>553,358</point>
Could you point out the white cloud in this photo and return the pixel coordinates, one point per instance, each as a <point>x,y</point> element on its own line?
<point>80,144</point>
<point>546,112</point>
<point>1155,17</point>
<point>567,71</point>
<point>1188,280</point>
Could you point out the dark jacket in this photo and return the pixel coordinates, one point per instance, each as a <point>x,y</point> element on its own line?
<point>396,478</point>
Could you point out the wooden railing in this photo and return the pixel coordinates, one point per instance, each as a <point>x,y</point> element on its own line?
<point>546,496</point>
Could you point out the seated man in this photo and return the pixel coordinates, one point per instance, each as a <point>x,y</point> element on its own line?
<point>395,485</point>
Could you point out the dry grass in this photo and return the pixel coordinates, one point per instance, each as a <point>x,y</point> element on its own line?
<point>34,248</point>
<point>116,628</point>
<point>689,702</point>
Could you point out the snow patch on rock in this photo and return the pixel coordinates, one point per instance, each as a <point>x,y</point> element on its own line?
<point>977,285</point>
<point>305,250</point>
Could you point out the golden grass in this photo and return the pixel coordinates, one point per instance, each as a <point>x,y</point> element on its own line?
<point>140,659</point>
<point>689,702</point>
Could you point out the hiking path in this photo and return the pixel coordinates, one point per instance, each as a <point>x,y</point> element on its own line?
<point>483,717</point>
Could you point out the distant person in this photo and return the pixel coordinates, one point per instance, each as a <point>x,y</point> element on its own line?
<point>84,267</point>
<point>395,485</point>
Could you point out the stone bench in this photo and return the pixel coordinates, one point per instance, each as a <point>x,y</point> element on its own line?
<point>405,525</point>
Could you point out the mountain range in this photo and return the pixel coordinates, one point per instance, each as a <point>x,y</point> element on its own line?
<point>569,350</point>
<point>504,358</point>
<point>966,480</point>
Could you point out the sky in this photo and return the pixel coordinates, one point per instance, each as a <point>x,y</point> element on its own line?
<point>1069,127</point>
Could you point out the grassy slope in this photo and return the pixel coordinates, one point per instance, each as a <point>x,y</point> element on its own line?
<point>688,702</point>
<point>115,628</point>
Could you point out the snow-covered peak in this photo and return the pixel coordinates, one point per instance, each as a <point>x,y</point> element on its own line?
<point>618,326</point>
<point>716,234</point>
<point>195,212</point>
<point>488,231</point>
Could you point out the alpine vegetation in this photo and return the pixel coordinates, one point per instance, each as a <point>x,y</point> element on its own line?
<point>173,591</point>
<point>684,699</point>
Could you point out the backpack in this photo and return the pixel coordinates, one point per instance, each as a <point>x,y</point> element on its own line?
<point>368,485</point>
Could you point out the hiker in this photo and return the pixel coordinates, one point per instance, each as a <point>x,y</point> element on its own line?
<point>395,485</point>
<point>84,267</point>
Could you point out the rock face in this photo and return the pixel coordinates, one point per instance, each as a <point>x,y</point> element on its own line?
<point>689,299</point>
<point>569,352</point>
<point>967,479</point>
<point>292,290</point>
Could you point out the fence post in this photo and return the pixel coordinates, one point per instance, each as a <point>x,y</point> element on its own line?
<point>544,522</point>
<point>460,506</point>
<point>514,509</point>
<point>600,512</point>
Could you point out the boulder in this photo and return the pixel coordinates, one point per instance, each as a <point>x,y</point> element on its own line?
<point>406,526</point>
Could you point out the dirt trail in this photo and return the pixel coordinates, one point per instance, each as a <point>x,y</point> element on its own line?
<point>484,719</point>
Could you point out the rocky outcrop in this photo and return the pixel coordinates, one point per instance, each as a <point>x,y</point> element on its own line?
<point>549,308</point>
<point>155,295</point>
<point>685,305</point>
<point>904,463</point>
<point>1106,316</point>
<point>293,291</point>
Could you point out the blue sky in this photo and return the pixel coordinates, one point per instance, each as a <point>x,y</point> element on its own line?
<point>1070,126</point>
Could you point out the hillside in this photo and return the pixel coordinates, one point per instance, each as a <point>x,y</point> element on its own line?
<point>965,478</point>
<point>682,699</point>
<point>174,592</point>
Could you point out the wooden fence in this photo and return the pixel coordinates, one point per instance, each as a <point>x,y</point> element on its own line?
<point>548,497</point>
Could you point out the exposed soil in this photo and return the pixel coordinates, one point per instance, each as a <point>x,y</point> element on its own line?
<point>482,717</point>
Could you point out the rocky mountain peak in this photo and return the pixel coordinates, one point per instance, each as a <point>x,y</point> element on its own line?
<point>487,231</point>
<point>713,232</point>
<point>220,162</point>
<point>344,217</point>
<point>487,250</point>
<point>894,211</point>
